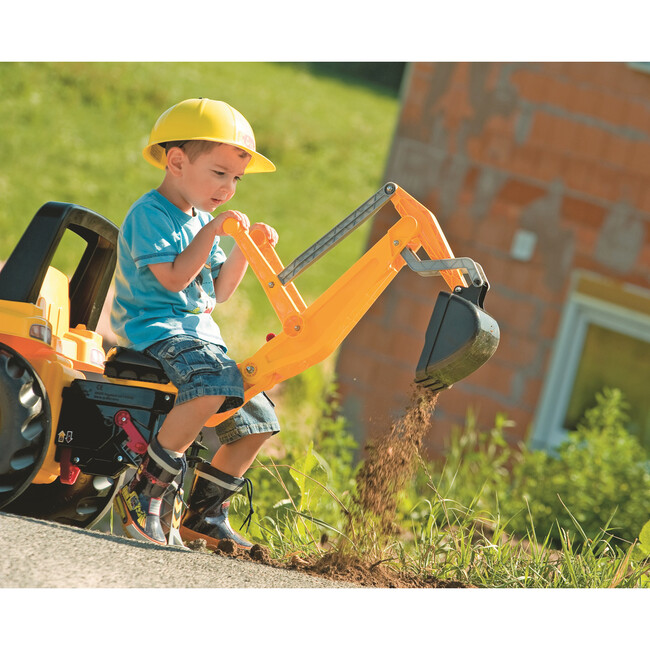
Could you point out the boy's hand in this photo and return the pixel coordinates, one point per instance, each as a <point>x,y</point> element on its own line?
<point>230,214</point>
<point>268,232</point>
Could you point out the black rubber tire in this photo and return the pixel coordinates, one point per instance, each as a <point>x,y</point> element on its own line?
<point>25,424</point>
<point>82,504</point>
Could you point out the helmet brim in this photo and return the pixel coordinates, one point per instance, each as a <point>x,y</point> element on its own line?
<point>155,155</point>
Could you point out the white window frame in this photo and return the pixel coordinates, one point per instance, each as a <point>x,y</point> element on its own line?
<point>580,311</point>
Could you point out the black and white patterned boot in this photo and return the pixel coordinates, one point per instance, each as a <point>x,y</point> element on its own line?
<point>207,510</point>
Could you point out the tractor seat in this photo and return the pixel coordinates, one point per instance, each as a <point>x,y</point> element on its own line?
<point>125,363</point>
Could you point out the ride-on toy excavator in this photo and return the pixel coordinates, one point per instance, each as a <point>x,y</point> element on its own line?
<point>73,420</point>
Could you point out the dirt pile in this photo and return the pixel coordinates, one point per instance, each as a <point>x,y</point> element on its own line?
<point>335,566</point>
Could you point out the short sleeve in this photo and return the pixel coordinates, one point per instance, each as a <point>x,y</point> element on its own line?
<point>151,236</point>
<point>217,258</point>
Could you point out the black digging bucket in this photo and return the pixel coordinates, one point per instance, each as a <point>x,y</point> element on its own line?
<point>460,338</point>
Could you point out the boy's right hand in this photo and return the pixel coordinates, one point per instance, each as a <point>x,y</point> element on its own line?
<point>230,214</point>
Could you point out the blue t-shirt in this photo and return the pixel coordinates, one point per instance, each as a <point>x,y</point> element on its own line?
<point>143,311</point>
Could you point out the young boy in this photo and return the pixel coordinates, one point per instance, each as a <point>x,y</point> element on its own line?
<point>170,274</point>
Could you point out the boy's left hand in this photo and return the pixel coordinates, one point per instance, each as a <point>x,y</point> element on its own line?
<point>270,233</point>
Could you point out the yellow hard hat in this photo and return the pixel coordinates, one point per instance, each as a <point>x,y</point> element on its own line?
<point>204,119</point>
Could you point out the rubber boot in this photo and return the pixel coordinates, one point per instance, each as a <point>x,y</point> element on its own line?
<point>140,501</point>
<point>207,510</point>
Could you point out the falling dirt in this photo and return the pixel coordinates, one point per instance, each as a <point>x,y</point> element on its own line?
<point>390,463</point>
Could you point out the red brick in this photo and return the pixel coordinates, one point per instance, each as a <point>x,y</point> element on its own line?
<point>583,212</point>
<point>557,91</point>
<point>475,148</point>
<point>576,174</point>
<point>533,85</point>
<point>637,115</point>
<point>520,192</point>
<point>635,188</point>
<point>639,156</point>
<point>618,150</point>
<point>455,403</point>
<point>522,418</point>
<point>586,239</point>
<point>412,316</point>
<point>615,76</point>
<point>495,236</point>
<point>571,136</point>
<point>634,82</point>
<point>541,127</point>
<point>603,183</point>
<point>589,101</point>
<point>614,109</point>
<point>406,346</point>
<point>549,322</point>
<point>388,402</point>
<point>552,166</point>
<point>494,376</point>
<point>591,141</point>
<point>644,257</point>
<point>519,314</point>
<point>587,263</point>
<point>354,366</point>
<point>517,348</point>
<point>561,136</point>
<point>503,273</point>
<point>471,178</point>
<point>396,380</point>
<point>532,393</point>
<point>498,149</point>
<point>501,124</point>
<point>526,160</point>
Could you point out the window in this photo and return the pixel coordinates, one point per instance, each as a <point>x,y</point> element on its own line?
<point>603,340</point>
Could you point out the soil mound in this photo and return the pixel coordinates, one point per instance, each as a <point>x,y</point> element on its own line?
<point>336,566</point>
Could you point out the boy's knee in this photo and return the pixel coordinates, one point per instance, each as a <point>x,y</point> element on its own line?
<point>207,403</point>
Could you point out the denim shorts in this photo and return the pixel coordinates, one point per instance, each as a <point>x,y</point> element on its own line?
<point>198,368</point>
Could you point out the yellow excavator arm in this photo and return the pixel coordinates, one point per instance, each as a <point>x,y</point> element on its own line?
<point>310,333</point>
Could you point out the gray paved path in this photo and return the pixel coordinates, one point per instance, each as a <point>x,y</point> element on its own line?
<point>37,554</point>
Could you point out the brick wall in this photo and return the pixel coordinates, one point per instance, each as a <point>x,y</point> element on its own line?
<point>560,151</point>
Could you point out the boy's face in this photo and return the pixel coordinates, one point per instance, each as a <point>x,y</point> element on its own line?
<point>211,180</point>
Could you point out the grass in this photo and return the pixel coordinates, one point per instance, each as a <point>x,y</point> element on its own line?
<point>448,542</point>
<point>453,543</point>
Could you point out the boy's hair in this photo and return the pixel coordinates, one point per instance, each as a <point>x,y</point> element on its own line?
<point>194,148</point>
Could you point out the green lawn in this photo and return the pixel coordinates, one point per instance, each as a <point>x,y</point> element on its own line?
<point>75,131</point>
